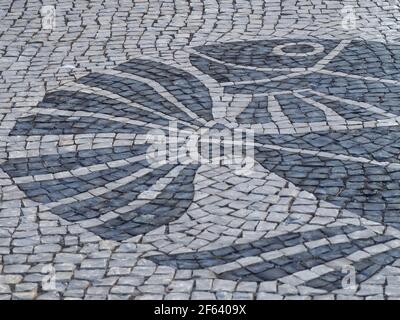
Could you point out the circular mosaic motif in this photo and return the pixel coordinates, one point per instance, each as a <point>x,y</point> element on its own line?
<point>298,49</point>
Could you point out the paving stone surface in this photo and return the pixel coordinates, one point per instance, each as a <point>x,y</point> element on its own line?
<point>87,88</point>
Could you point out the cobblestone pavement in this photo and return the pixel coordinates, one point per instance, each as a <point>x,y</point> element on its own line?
<point>85,215</point>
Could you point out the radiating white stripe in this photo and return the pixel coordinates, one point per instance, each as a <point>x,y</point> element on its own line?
<point>277,115</point>
<point>97,115</point>
<point>355,76</point>
<point>98,191</point>
<point>291,250</point>
<point>258,81</point>
<point>332,117</point>
<point>142,199</point>
<point>302,128</point>
<point>360,104</point>
<point>21,146</point>
<point>73,87</point>
<point>331,55</point>
<point>81,171</point>
<point>328,155</point>
<point>322,269</point>
<point>194,52</point>
<point>159,89</point>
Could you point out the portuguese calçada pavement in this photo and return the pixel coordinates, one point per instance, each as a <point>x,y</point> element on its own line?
<point>312,86</point>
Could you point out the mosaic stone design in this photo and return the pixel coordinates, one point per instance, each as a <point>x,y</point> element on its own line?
<point>78,194</point>
<point>119,194</point>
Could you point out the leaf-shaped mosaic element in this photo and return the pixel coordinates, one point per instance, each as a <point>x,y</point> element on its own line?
<point>112,189</point>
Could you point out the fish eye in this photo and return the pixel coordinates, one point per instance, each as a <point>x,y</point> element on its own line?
<point>298,49</point>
